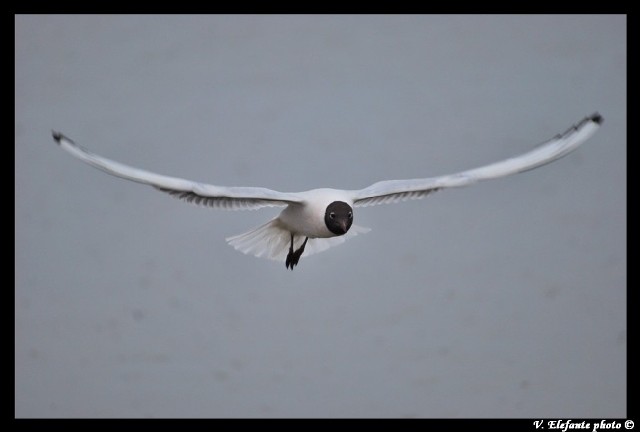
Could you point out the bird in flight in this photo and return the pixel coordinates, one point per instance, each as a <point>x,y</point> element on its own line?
<point>318,219</point>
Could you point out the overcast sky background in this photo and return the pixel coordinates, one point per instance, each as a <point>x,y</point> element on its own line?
<point>505,299</point>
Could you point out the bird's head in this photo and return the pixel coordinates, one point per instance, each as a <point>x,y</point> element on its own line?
<point>338,217</point>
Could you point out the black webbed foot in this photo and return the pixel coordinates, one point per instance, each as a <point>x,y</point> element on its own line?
<point>294,257</point>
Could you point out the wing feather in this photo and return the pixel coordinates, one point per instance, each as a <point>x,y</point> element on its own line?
<point>229,198</point>
<point>391,191</point>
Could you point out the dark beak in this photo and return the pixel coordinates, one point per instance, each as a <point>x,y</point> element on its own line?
<point>343,226</point>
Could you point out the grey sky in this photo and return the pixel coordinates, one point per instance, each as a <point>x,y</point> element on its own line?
<point>505,299</point>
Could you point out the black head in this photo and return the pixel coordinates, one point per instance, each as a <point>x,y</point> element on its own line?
<point>338,217</point>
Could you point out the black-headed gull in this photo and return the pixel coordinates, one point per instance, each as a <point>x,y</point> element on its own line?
<point>317,219</point>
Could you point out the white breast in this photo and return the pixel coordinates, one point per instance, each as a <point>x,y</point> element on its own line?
<point>308,219</point>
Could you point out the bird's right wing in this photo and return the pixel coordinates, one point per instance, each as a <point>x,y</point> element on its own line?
<point>230,198</point>
<point>391,191</point>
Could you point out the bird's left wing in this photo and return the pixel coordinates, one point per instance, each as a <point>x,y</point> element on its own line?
<point>391,191</point>
<point>230,198</point>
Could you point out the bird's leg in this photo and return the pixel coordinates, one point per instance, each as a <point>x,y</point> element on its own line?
<point>294,257</point>
<point>290,254</point>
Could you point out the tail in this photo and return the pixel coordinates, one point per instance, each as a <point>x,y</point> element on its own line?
<point>272,240</point>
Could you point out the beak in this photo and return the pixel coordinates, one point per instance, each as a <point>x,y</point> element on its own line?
<point>343,226</point>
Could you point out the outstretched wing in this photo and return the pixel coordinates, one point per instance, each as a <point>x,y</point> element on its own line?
<point>230,198</point>
<point>399,190</point>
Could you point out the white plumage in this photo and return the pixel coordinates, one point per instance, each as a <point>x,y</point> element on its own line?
<point>271,240</point>
<point>324,216</point>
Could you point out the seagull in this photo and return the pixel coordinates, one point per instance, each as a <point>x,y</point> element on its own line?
<point>315,220</point>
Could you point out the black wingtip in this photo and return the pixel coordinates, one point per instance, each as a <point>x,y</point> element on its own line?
<point>597,118</point>
<point>57,136</point>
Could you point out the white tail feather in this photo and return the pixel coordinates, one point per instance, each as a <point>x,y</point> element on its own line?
<point>272,241</point>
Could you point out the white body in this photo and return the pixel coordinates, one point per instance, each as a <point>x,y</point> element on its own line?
<point>308,219</point>
<point>273,239</point>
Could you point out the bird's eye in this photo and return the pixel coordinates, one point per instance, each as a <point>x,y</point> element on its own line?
<point>350,215</point>
<point>332,215</point>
